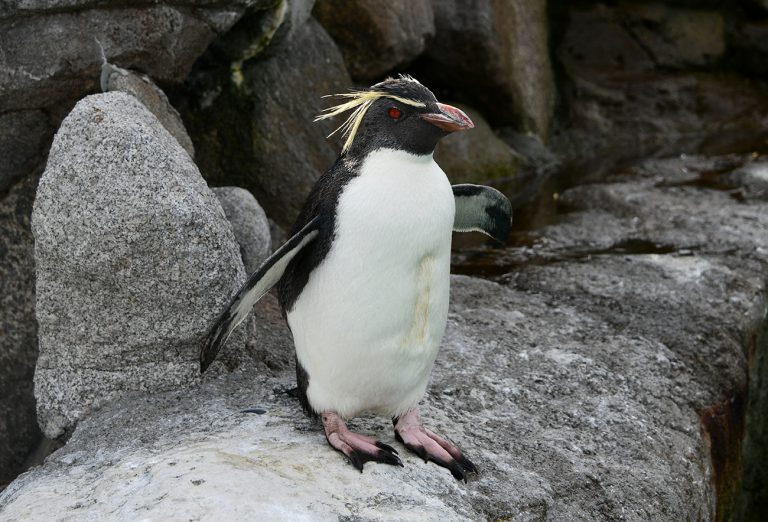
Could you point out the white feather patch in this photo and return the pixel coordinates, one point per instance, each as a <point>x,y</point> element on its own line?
<point>368,324</point>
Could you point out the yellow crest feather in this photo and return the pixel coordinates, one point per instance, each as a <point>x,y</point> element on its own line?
<point>360,101</point>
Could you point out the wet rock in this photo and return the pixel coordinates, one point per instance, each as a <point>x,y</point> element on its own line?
<point>623,106</point>
<point>18,343</point>
<point>748,47</point>
<point>249,223</point>
<point>255,130</point>
<point>642,37</point>
<point>22,143</point>
<point>496,55</point>
<point>374,36</point>
<point>477,155</point>
<point>144,89</point>
<point>674,37</point>
<point>134,261</point>
<point>583,388</point>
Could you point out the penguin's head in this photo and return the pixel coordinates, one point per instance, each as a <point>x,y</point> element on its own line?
<point>398,113</point>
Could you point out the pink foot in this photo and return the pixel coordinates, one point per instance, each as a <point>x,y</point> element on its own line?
<point>411,432</point>
<point>359,449</point>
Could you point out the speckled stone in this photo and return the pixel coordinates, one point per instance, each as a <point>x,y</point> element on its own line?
<point>249,223</point>
<point>134,257</point>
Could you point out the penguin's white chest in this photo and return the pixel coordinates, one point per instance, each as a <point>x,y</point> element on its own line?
<point>369,322</point>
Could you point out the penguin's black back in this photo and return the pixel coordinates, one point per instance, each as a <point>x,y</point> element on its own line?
<point>321,202</point>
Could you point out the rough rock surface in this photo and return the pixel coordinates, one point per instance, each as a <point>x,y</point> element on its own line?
<point>135,259</point>
<point>249,223</point>
<point>144,89</point>
<point>625,105</point>
<point>51,57</point>
<point>587,384</point>
<point>496,54</point>
<point>375,36</point>
<point>18,341</point>
<point>674,37</point>
<point>748,51</point>
<point>257,132</point>
<point>477,155</point>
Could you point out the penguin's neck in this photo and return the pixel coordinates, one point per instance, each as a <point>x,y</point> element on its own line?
<point>384,161</point>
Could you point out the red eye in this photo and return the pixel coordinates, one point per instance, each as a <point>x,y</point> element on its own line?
<point>394,113</point>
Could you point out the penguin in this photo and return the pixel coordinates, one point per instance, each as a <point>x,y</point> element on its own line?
<point>363,282</point>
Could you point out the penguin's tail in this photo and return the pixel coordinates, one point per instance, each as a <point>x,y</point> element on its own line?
<point>258,284</point>
<point>216,338</point>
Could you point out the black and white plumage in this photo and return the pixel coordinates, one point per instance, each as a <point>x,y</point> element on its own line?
<point>364,280</point>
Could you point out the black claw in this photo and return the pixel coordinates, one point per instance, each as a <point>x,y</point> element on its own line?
<point>454,467</point>
<point>354,459</point>
<point>465,463</point>
<point>456,470</point>
<point>358,458</point>
<point>386,447</point>
<point>388,458</point>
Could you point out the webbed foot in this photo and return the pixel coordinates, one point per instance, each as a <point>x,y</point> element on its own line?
<point>431,447</point>
<point>359,449</point>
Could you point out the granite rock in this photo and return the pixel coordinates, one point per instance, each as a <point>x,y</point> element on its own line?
<point>53,50</point>
<point>142,87</point>
<point>134,260</point>
<point>249,223</point>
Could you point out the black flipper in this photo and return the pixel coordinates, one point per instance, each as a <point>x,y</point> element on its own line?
<point>260,282</point>
<point>482,209</point>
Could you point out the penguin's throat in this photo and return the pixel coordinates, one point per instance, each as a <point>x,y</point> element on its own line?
<point>399,158</point>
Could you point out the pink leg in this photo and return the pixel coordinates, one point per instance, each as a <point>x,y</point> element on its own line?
<point>411,432</point>
<point>359,449</point>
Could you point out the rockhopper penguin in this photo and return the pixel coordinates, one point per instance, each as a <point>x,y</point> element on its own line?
<point>364,280</point>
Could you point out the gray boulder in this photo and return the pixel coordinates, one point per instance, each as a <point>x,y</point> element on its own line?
<point>249,223</point>
<point>135,259</point>
<point>496,54</point>
<point>256,131</point>
<point>141,86</point>
<point>49,58</point>
<point>377,36</point>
